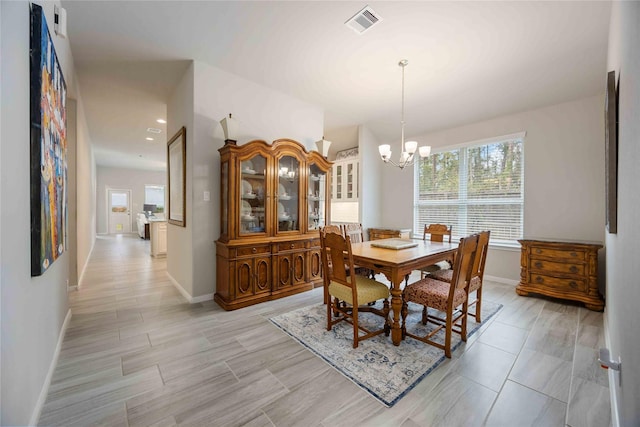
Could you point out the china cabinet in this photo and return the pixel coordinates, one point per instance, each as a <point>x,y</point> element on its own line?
<point>274,199</point>
<point>345,181</point>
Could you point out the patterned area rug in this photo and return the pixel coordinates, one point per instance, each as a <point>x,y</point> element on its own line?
<point>385,371</point>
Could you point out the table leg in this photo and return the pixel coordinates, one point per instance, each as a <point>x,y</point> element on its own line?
<point>396,306</point>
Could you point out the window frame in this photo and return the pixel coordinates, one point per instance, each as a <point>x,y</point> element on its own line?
<point>464,203</point>
<point>164,190</point>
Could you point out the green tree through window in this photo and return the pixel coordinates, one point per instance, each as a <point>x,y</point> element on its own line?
<point>474,188</point>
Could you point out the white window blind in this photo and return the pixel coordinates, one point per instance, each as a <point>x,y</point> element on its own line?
<point>474,188</point>
<point>154,194</point>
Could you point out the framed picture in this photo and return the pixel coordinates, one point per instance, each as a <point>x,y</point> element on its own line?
<point>176,167</point>
<point>611,153</point>
<point>48,147</point>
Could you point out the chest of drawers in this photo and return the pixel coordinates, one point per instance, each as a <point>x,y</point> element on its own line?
<point>385,233</point>
<point>567,270</point>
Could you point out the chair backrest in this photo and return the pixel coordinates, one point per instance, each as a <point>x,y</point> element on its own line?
<point>354,231</point>
<point>337,257</point>
<point>481,254</point>
<point>437,232</point>
<point>330,228</point>
<point>463,263</point>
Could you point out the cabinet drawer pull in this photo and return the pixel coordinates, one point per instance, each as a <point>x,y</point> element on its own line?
<point>573,285</point>
<point>292,245</point>
<point>538,264</point>
<point>573,269</point>
<point>573,254</point>
<point>538,251</point>
<point>254,250</point>
<point>539,279</point>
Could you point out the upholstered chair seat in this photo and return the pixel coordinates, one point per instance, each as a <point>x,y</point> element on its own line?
<point>368,290</point>
<point>446,275</point>
<point>433,293</point>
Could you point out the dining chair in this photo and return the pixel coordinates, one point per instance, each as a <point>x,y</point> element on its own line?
<point>349,293</point>
<point>477,273</point>
<point>329,228</point>
<point>445,297</point>
<point>356,233</point>
<point>437,233</point>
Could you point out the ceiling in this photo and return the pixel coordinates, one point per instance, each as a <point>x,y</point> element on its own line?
<point>468,61</point>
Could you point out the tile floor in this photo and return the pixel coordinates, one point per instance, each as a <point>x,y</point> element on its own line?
<point>136,353</point>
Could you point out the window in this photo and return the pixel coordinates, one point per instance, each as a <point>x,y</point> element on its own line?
<point>154,195</point>
<point>473,188</point>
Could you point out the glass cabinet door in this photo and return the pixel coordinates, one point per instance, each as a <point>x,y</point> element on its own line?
<point>252,195</point>
<point>316,198</point>
<point>287,194</point>
<point>224,182</point>
<point>338,192</point>
<point>350,181</point>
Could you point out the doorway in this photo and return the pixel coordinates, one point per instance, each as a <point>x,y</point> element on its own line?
<point>118,211</point>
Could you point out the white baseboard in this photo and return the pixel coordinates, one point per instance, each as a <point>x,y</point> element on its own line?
<point>86,263</point>
<point>613,390</point>
<point>202,298</point>
<point>35,415</point>
<point>192,300</point>
<point>501,280</point>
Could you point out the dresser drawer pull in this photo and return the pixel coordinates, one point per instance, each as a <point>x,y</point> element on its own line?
<point>573,285</point>
<point>292,245</point>
<point>573,254</point>
<point>538,251</point>
<point>254,250</point>
<point>538,264</point>
<point>539,279</point>
<point>573,269</point>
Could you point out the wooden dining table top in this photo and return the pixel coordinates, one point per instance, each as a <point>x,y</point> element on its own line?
<point>424,251</point>
<point>397,264</point>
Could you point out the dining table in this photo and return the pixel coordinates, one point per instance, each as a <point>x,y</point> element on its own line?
<point>396,264</point>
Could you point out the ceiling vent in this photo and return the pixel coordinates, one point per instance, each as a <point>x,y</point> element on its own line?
<point>363,20</point>
<point>154,130</point>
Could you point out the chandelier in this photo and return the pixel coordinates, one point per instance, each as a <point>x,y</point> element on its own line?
<point>407,157</point>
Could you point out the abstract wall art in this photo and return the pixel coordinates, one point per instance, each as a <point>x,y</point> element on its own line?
<point>48,148</point>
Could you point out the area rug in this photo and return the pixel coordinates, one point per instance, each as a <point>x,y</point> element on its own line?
<point>385,371</point>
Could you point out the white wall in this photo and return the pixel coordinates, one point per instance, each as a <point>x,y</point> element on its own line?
<point>263,113</point>
<point>124,179</point>
<point>179,239</point>
<point>371,198</point>
<point>33,308</point>
<point>85,192</point>
<point>564,175</point>
<point>72,206</point>
<point>622,317</point>
<point>341,139</point>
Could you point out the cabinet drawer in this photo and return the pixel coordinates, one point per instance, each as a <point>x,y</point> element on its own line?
<point>377,235</point>
<point>557,283</point>
<point>253,250</point>
<point>557,267</point>
<point>289,246</point>
<point>557,253</point>
<point>314,243</point>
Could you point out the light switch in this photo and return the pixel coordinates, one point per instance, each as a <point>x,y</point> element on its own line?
<point>207,196</point>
